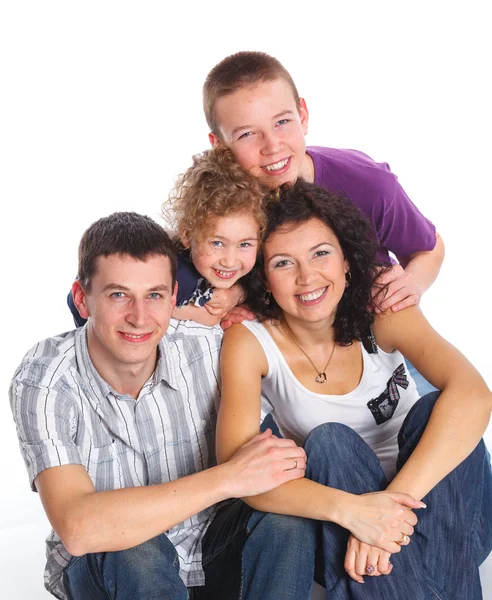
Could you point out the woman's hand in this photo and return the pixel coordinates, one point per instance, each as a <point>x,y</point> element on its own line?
<point>362,559</point>
<point>381,519</point>
<point>224,300</point>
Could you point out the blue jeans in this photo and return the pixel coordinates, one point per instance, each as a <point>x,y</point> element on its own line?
<point>251,555</point>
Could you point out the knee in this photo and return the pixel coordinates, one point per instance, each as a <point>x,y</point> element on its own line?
<point>335,441</point>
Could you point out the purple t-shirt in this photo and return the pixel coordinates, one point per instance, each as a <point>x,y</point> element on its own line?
<point>400,227</point>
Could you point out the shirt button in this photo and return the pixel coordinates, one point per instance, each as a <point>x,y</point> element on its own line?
<point>204,422</point>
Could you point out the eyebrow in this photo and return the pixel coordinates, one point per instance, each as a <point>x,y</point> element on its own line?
<point>277,116</point>
<point>123,288</point>
<point>310,250</point>
<point>220,237</point>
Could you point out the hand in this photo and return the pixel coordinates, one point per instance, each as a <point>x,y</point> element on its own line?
<point>262,464</point>
<point>401,290</point>
<point>237,315</point>
<point>359,556</point>
<point>223,300</point>
<point>381,518</point>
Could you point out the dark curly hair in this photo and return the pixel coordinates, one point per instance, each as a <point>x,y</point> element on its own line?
<point>300,203</point>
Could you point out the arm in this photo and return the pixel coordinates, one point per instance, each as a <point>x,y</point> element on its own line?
<point>90,521</point>
<point>199,314</point>
<point>410,279</point>
<point>243,362</point>
<point>462,412</point>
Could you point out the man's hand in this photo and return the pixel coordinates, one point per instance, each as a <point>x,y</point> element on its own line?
<point>223,300</point>
<point>237,315</point>
<point>360,556</point>
<point>401,290</point>
<point>264,463</point>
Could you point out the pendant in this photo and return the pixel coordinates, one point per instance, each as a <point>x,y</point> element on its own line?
<point>321,378</point>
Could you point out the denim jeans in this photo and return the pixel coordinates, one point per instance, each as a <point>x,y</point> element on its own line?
<point>251,555</point>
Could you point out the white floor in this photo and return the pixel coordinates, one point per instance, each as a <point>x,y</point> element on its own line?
<point>24,527</point>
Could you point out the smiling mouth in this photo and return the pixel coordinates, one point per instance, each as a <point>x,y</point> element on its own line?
<point>278,166</point>
<point>312,297</point>
<point>225,274</point>
<point>135,338</point>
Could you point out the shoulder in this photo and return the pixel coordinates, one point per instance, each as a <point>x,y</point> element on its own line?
<point>394,330</point>
<point>241,344</point>
<point>187,277</point>
<point>49,360</point>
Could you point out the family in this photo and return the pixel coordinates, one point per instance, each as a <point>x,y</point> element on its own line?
<point>252,400</point>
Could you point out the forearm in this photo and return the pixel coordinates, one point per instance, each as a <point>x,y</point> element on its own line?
<point>455,427</point>
<point>197,314</point>
<point>304,498</point>
<point>120,519</point>
<point>425,266</point>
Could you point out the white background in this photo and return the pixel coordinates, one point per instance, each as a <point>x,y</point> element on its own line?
<point>101,109</point>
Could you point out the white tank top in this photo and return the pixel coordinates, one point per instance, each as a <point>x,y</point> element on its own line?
<point>375,409</point>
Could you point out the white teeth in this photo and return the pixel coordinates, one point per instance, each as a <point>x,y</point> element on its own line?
<point>225,273</point>
<point>312,295</point>
<point>134,337</point>
<point>275,167</point>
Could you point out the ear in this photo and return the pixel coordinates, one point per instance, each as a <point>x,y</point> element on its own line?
<point>184,238</point>
<point>175,295</point>
<point>346,266</point>
<point>304,114</point>
<point>80,299</point>
<point>214,140</point>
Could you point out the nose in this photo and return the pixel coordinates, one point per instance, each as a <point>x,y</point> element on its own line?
<point>271,143</point>
<point>136,315</point>
<point>305,274</point>
<point>229,257</point>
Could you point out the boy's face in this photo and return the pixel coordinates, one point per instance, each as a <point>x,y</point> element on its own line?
<point>230,253</point>
<point>265,131</point>
<point>130,303</point>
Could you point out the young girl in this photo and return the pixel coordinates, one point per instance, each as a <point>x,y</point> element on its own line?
<point>216,213</point>
<point>216,209</point>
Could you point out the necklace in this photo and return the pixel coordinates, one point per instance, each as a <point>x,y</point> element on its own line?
<point>321,378</point>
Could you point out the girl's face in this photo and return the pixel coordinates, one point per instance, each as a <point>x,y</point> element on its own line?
<point>229,253</point>
<point>305,270</point>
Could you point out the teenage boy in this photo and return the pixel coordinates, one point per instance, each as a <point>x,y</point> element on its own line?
<point>252,106</point>
<point>116,424</point>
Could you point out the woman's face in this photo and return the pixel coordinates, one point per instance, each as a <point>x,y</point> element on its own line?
<point>305,270</point>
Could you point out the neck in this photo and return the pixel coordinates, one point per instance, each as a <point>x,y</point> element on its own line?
<point>307,333</point>
<point>307,169</point>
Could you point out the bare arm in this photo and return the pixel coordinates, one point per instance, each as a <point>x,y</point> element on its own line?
<point>243,363</point>
<point>90,521</point>
<point>199,314</point>
<point>407,281</point>
<point>462,412</point>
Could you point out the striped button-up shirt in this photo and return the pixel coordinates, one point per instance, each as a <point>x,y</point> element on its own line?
<point>67,414</point>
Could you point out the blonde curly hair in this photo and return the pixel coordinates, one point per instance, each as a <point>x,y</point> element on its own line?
<point>214,186</point>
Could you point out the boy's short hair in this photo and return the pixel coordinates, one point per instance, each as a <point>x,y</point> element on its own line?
<point>124,233</point>
<point>241,70</point>
<point>214,186</point>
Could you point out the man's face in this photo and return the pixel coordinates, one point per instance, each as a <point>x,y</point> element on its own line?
<point>265,130</point>
<point>130,303</point>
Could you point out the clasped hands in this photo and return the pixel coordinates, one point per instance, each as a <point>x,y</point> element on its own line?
<point>382,534</point>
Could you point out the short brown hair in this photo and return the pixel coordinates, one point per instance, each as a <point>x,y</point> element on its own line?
<point>214,186</point>
<point>241,70</point>
<point>123,233</point>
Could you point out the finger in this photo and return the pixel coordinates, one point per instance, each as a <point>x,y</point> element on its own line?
<point>413,300</point>
<point>380,559</point>
<point>361,560</point>
<point>400,295</point>
<point>406,500</point>
<point>225,324</point>
<point>349,566</point>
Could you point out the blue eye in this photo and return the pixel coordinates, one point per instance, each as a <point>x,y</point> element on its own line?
<point>216,243</point>
<point>245,135</point>
<point>245,245</point>
<point>283,121</point>
<point>155,296</point>
<point>117,295</point>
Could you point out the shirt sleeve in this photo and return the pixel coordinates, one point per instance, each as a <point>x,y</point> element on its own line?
<point>401,228</point>
<point>187,277</point>
<point>46,418</point>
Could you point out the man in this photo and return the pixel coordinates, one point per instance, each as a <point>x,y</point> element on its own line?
<point>116,423</point>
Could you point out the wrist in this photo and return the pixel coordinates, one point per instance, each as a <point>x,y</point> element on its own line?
<point>339,508</point>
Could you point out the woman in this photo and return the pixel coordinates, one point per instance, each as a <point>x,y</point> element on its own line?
<point>320,355</point>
